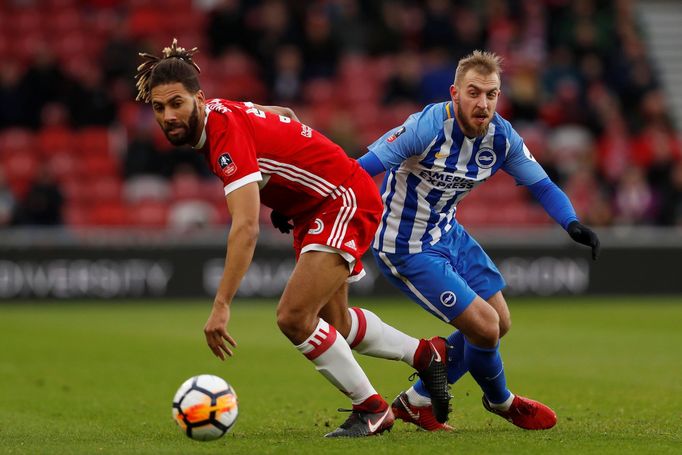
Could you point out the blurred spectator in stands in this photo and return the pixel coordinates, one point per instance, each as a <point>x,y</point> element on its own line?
<point>437,28</point>
<point>438,72</point>
<point>43,203</point>
<point>600,212</point>
<point>7,202</point>
<point>570,148</point>
<point>321,50</point>
<point>42,83</point>
<point>583,190</point>
<point>385,35</point>
<point>567,106</point>
<point>14,110</point>
<point>671,198</point>
<point>270,25</point>
<point>343,131</point>
<point>469,33</point>
<point>657,141</point>
<point>633,199</point>
<point>225,27</point>
<point>115,58</point>
<point>88,99</point>
<point>285,81</point>
<point>142,156</point>
<point>404,84</point>
<point>635,76</point>
<point>524,93</point>
<point>349,25</point>
<point>560,66</point>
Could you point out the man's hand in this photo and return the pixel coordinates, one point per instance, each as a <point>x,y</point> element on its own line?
<point>215,330</point>
<point>584,235</point>
<point>281,222</point>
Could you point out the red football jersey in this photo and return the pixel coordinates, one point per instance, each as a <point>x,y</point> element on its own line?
<point>295,166</point>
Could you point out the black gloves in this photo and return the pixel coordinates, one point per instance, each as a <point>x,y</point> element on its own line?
<point>281,222</point>
<point>583,234</point>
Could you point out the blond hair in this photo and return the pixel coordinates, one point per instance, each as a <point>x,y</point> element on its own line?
<point>480,61</point>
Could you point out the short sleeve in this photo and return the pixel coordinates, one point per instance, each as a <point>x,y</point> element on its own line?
<point>232,154</point>
<point>409,139</point>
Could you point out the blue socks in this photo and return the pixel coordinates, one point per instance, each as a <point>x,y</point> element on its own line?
<point>485,365</point>
<point>456,366</point>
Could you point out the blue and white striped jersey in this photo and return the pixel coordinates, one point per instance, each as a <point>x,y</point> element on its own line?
<point>431,165</point>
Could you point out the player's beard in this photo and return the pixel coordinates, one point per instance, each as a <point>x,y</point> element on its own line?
<point>189,129</point>
<point>468,127</point>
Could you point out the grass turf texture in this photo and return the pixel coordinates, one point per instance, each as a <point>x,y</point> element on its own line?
<point>99,378</point>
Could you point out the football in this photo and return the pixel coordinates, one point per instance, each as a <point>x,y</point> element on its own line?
<point>205,407</point>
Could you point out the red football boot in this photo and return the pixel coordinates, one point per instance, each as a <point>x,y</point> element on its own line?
<point>526,413</point>
<point>422,416</point>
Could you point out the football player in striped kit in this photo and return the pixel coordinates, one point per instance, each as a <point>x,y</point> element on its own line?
<point>431,162</point>
<point>264,155</point>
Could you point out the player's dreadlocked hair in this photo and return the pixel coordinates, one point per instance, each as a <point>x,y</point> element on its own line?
<point>176,65</point>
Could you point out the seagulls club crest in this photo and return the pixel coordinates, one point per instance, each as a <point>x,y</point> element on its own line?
<point>485,158</point>
<point>226,164</point>
<point>395,135</point>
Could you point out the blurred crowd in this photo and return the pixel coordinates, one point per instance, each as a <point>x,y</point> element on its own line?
<point>578,85</point>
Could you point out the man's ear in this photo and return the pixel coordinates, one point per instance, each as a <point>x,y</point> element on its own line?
<point>454,94</point>
<point>201,99</point>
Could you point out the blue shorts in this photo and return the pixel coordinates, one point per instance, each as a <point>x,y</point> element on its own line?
<point>445,278</point>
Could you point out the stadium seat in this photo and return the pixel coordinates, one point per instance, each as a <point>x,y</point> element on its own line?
<point>191,214</point>
<point>16,140</point>
<point>20,169</point>
<point>149,214</point>
<point>76,215</point>
<point>102,165</point>
<point>109,214</point>
<point>146,187</point>
<point>56,141</point>
<point>93,141</point>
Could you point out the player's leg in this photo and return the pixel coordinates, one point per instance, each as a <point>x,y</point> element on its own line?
<point>367,334</point>
<point>480,325</point>
<point>316,278</point>
<point>429,279</point>
<point>479,272</point>
<point>498,302</point>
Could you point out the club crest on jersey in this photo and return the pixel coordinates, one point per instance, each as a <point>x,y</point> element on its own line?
<point>395,135</point>
<point>448,298</point>
<point>319,227</point>
<point>485,158</point>
<point>226,164</point>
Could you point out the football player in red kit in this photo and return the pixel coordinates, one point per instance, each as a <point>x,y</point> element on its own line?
<point>264,155</point>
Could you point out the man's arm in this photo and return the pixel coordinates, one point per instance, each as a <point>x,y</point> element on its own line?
<point>399,144</point>
<point>244,205</point>
<point>371,163</point>
<point>521,164</point>
<point>279,110</point>
<point>558,206</point>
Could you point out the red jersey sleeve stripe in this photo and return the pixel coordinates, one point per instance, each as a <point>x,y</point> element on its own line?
<point>253,177</point>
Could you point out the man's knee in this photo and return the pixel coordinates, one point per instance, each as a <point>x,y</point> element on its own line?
<point>295,324</point>
<point>505,325</point>
<point>480,324</point>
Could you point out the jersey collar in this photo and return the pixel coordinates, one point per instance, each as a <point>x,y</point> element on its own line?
<point>202,139</point>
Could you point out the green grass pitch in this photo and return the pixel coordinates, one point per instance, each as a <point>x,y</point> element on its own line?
<point>95,377</point>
